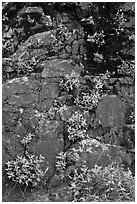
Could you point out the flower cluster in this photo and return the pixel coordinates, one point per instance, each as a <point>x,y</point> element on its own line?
<point>70,81</point>
<point>99,82</point>
<point>76,126</point>
<point>27,139</point>
<point>97,38</point>
<point>90,99</point>
<point>132,116</point>
<point>22,66</point>
<point>25,170</point>
<point>84,101</point>
<point>98,57</point>
<point>127,68</point>
<point>131,37</point>
<point>119,21</point>
<point>61,163</point>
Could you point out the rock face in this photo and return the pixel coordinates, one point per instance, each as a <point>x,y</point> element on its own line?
<point>59,68</point>
<point>110,111</point>
<point>46,53</point>
<point>94,153</point>
<point>26,105</point>
<point>52,43</point>
<point>50,143</point>
<point>39,50</point>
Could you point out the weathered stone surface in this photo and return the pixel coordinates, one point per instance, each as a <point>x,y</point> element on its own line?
<point>61,194</point>
<point>68,48</point>
<point>5,156</point>
<point>25,103</point>
<point>107,135</point>
<point>36,46</point>
<point>56,181</point>
<point>49,89</point>
<point>48,44</point>
<point>59,68</point>
<point>44,43</point>
<point>29,10</point>
<point>46,104</point>
<point>50,143</point>
<point>38,196</point>
<point>64,56</point>
<point>97,153</point>
<point>110,111</point>
<point>75,47</point>
<point>128,94</point>
<point>20,87</point>
<point>10,118</point>
<point>45,38</point>
<point>11,146</point>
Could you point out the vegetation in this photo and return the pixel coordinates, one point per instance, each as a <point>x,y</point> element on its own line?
<point>108,60</point>
<point>102,184</point>
<point>25,170</point>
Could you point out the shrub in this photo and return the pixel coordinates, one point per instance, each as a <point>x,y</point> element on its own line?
<point>111,183</point>
<point>88,101</point>
<point>25,169</point>
<point>76,126</point>
<point>26,140</point>
<point>98,57</point>
<point>70,81</point>
<point>127,68</point>
<point>97,38</point>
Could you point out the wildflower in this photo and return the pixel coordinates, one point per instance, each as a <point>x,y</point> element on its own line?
<point>98,57</point>
<point>27,139</point>
<point>131,37</point>
<point>61,163</point>
<point>97,38</point>
<point>76,126</point>
<point>70,81</point>
<point>20,170</point>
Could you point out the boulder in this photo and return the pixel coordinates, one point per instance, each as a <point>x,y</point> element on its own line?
<point>110,111</point>
<point>59,68</point>
<point>49,89</point>
<point>96,153</point>
<point>50,143</point>
<point>25,103</point>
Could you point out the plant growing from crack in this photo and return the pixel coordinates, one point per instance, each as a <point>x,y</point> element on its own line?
<point>76,126</point>
<point>26,170</point>
<point>70,81</point>
<point>61,163</point>
<point>88,100</point>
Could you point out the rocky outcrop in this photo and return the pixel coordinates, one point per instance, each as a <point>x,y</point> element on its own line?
<point>41,45</point>
<point>27,104</point>
<point>62,40</point>
<point>111,111</point>
<point>94,153</point>
<point>33,69</point>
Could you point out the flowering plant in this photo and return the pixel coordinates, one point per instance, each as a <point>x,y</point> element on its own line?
<point>25,170</point>
<point>76,126</point>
